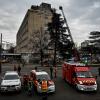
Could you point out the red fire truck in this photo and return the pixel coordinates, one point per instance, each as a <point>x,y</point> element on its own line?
<point>79,75</point>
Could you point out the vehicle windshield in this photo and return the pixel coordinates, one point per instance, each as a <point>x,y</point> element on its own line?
<point>11,77</point>
<point>43,76</point>
<point>71,60</point>
<point>84,74</point>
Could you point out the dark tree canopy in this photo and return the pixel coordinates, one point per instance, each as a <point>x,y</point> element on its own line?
<point>94,46</point>
<point>95,33</point>
<point>58,36</point>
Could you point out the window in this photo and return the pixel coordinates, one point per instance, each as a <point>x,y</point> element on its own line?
<point>84,74</point>
<point>11,77</point>
<point>43,76</point>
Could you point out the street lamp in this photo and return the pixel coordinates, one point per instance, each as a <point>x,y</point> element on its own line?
<point>0,52</point>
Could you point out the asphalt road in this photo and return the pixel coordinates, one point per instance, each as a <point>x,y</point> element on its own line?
<point>64,91</point>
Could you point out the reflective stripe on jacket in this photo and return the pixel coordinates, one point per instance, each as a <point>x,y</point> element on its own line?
<point>44,86</point>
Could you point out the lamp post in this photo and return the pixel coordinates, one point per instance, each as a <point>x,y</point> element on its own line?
<point>0,53</point>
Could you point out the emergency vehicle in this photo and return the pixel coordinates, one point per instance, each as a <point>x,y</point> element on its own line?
<point>10,82</point>
<point>38,77</point>
<point>79,75</point>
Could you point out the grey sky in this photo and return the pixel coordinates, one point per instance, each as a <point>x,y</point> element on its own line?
<point>83,16</point>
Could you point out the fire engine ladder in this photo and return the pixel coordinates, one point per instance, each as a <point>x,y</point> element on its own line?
<point>70,35</point>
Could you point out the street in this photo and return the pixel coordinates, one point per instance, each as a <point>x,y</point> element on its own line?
<point>64,91</point>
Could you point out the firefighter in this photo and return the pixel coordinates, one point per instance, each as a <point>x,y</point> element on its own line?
<point>25,81</point>
<point>44,87</point>
<point>30,87</point>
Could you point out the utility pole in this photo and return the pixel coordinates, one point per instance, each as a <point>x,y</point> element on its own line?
<point>41,48</point>
<point>0,52</point>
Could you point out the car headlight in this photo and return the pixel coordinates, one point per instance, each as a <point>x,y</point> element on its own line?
<point>95,82</point>
<point>17,86</point>
<point>80,82</point>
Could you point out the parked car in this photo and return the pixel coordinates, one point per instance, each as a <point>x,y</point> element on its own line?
<point>38,76</point>
<point>10,82</point>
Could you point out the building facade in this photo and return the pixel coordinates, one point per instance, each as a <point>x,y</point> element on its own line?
<point>6,45</point>
<point>32,34</point>
<point>85,43</point>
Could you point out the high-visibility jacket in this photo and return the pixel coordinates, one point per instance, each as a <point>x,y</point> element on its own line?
<point>44,86</point>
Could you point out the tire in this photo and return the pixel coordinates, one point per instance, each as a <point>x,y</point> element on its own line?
<point>76,88</point>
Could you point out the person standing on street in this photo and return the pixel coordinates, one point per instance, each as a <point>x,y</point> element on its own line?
<point>30,87</point>
<point>23,63</point>
<point>51,72</point>
<point>19,69</point>
<point>55,71</point>
<point>35,68</point>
